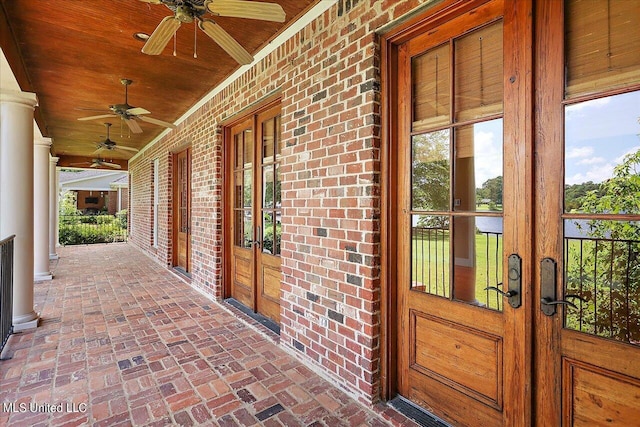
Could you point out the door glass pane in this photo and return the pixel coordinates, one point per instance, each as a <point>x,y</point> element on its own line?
<point>268,140</point>
<point>602,278</point>
<point>237,227</point>
<point>602,155</point>
<point>247,229</point>
<point>247,188</point>
<point>430,254</point>
<point>478,73</point>
<point>278,187</point>
<point>248,148</point>
<point>430,171</point>
<point>431,88</point>
<point>268,187</point>
<point>239,153</point>
<point>478,167</point>
<point>277,233</point>
<point>276,136</point>
<point>602,41</point>
<point>237,196</point>
<point>268,232</point>
<point>478,261</point>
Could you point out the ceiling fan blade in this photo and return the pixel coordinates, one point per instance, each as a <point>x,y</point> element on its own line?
<point>247,9</point>
<point>161,35</point>
<point>120,147</point>
<point>94,165</point>
<point>226,42</point>
<point>111,165</point>
<point>133,125</point>
<point>136,111</point>
<point>98,150</point>
<point>101,116</point>
<point>157,122</point>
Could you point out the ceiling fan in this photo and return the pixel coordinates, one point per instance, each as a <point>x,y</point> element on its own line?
<point>129,113</point>
<point>110,145</point>
<point>186,11</point>
<point>96,163</point>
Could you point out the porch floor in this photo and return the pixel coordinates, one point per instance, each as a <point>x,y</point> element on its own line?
<point>123,341</point>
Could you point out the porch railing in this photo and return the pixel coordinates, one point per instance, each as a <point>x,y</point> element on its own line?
<point>6,290</point>
<point>88,229</point>
<point>602,280</point>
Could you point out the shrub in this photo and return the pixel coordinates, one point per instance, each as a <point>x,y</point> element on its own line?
<point>122,217</point>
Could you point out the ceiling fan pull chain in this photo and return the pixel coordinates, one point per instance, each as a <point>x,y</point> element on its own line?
<point>175,45</point>
<point>195,40</point>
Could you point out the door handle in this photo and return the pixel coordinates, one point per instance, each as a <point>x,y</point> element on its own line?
<point>514,287</point>
<point>258,240</point>
<point>548,301</point>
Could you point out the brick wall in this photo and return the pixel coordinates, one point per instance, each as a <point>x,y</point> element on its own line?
<point>328,76</point>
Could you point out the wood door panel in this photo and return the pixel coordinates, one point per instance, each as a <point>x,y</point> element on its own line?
<point>243,266</point>
<point>182,249</point>
<point>619,357</point>
<point>271,282</point>
<point>466,359</point>
<point>458,312</point>
<point>450,404</point>
<point>597,397</point>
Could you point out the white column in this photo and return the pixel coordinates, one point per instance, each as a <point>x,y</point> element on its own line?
<point>53,207</point>
<point>16,190</point>
<point>41,191</point>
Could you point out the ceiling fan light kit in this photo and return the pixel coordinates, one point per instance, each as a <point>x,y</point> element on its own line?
<point>187,11</point>
<point>130,114</point>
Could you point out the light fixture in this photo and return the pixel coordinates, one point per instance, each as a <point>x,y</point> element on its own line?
<point>143,37</point>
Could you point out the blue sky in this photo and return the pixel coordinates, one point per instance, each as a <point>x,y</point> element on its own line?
<point>598,134</point>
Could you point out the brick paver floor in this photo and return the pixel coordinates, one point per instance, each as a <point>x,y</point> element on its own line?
<point>123,341</point>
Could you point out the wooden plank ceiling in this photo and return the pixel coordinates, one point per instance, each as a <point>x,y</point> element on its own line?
<point>74,53</point>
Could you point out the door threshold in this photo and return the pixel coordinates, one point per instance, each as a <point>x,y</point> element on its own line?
<point>264,321</point>
<point>182,272</point>
<point>416,413</point>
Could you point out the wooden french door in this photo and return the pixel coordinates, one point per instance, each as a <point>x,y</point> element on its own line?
<point>587,210</point>
<point>459,217</point>
<point>182,210</point>
<point>256,213</point>
<point>515,212</point>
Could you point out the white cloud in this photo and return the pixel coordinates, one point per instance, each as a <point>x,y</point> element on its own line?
<point>594,103</point>
<point>579,152</point>
<point>488,156</point>
<point>632,150</point>
<point>592,161</point>
<point>596,174</point>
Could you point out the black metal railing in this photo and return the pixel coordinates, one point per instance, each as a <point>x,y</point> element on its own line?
<point>432,268</point>
<point>6,290</point>
<point>88,229</point>
<point>602,280</point>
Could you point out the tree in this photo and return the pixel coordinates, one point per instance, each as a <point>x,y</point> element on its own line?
<point>430,176</point>
<point>491,189</point>
<point>574,194</point>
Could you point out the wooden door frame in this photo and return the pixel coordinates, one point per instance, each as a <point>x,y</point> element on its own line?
<point>175,205</point>
<point>227,177</point>
<point>518,19</point>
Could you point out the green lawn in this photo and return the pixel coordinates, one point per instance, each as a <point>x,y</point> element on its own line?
<point>431,266</point>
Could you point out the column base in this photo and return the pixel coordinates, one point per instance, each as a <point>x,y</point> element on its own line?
<point>42,277</point>
<point>53,257</point>
<point>26,322</point>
